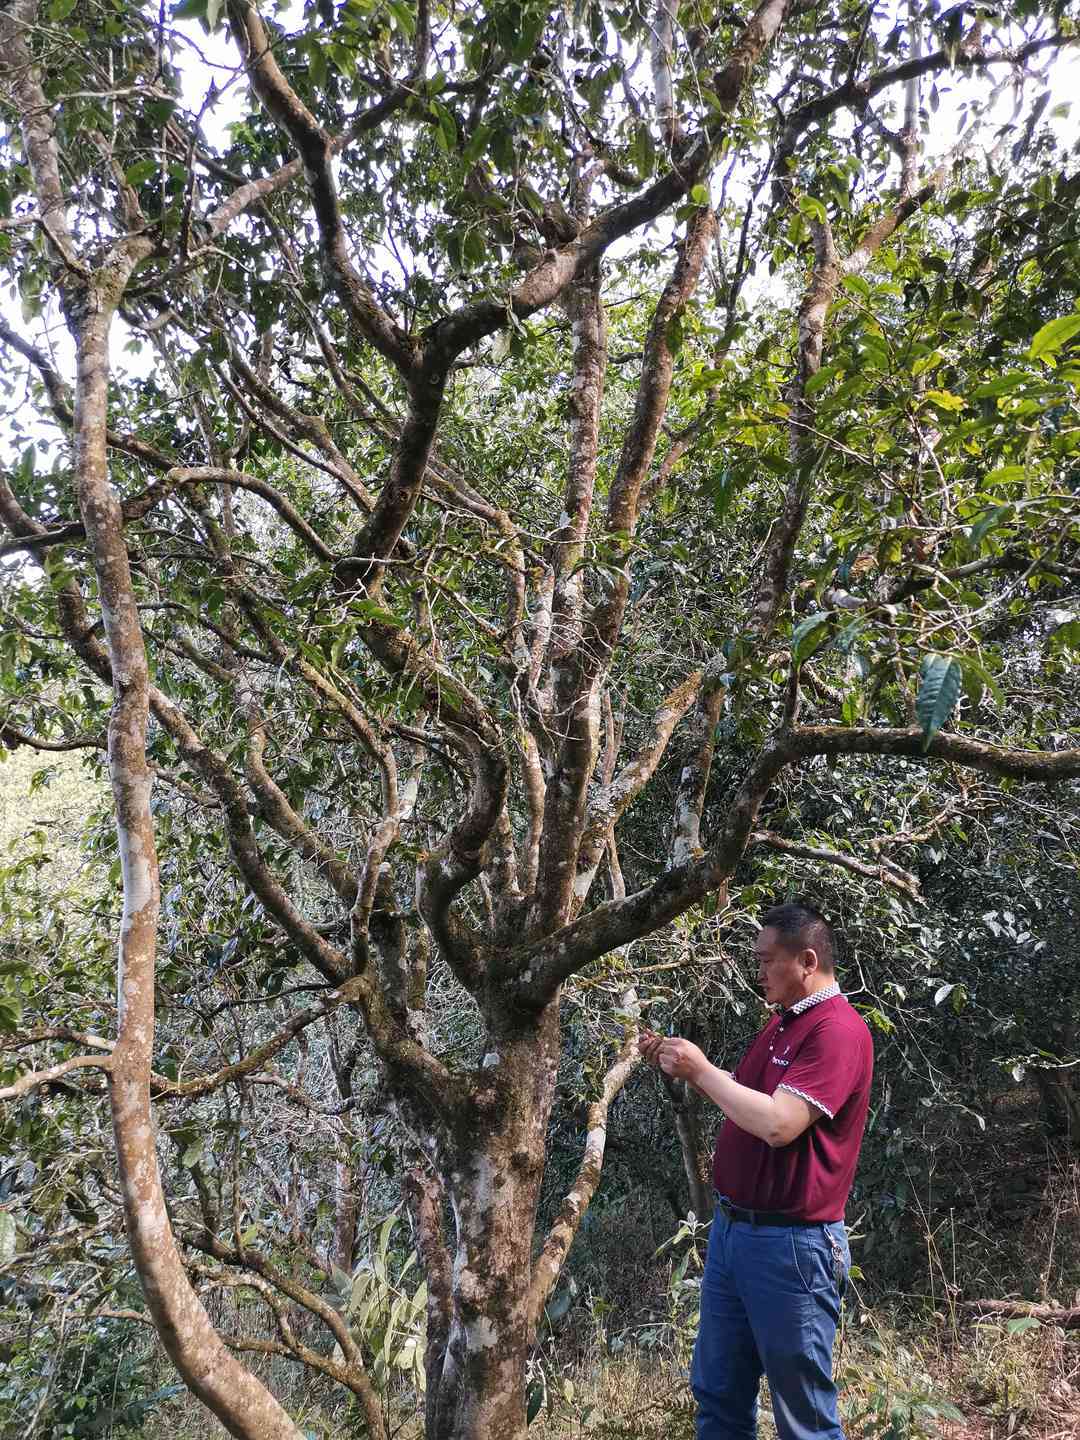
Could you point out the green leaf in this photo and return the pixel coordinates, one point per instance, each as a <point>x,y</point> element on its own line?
<point>159,112</point>
<point>317,69</point>
<point>991,519</point>
<point>61,9</point>
<point>403,17</point>
<point>812,208</point>
<point>809,635</point>
<point>926,362</point>
<point>940,678</point>
<point>643,151</point>
<point>474,250</point>
<point>1002,385</point>
<point>446,133</point>
<point>531,28</point>
<point>1053,335</point>
<point>477,144</point>
<point>1021,1326</point>
<point>141,171</point>
<point>534,1400</point>
<point>850,633</point>
<point>1066,638</point>
<point>374,613</point>
<point>192,1155</point>
<point>722,489</point>
<point>977,679</point>
<point>385,1231</point>
<point>1005,475</point>
<point>945,400</point>
<point>821,379</point>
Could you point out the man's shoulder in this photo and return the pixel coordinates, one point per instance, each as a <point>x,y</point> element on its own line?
<point>839,1016</point>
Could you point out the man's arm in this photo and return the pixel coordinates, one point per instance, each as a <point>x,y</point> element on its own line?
<point>777,1119</point>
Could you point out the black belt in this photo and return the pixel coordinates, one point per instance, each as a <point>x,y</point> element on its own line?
<point>762,1217</point>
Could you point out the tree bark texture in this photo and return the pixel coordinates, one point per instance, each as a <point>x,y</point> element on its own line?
<point>230,1391</point>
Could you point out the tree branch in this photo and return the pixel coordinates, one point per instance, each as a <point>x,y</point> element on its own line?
<point>1046,766</point>
<point>36,1078</point>
<point>613,801</point>
<point>888,874</point>
<point>560,1237</point>
<point>315,148</point>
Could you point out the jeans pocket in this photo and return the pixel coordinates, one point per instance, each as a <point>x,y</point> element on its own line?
<point>814,1254</point>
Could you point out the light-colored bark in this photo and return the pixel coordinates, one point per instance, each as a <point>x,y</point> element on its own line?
<point>242,1403</point>
<point>560,1236</point>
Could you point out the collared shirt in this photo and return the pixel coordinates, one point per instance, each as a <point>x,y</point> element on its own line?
<point>822,1052</point>
<point>826,993</point>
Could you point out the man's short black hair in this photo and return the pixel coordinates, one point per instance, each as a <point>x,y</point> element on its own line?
<point>801,927</point>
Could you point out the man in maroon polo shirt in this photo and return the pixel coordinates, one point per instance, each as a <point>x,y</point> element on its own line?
<point>795,1109</point>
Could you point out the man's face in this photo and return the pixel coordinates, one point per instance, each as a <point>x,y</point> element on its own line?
<point>782,972</point>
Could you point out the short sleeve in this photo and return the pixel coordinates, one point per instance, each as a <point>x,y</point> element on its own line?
<point>829,1067</point>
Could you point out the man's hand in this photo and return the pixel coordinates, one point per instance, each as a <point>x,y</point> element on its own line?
<point>649,1046</point>
<point>777,1119</point>
<point>681,1059</point>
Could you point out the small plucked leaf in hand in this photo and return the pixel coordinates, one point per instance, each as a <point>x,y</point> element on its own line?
<point>940,677</point>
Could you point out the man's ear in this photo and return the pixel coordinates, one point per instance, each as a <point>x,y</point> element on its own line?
<point>810,959</point>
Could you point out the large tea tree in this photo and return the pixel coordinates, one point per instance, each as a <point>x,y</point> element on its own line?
<point>495,396</point>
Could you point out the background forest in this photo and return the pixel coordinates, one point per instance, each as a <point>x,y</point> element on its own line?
<point>493,497</point>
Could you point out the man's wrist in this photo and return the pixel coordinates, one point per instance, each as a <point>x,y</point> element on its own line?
<point>709,1079</point>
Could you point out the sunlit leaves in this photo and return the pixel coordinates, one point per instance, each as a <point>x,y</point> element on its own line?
<point>1053,336</point>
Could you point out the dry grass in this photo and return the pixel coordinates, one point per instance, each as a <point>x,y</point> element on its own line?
<point>1023,1386</point>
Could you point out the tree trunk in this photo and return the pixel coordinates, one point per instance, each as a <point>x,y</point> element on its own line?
<point>494,1163</point>
<point>240,1401</point>
<point>696,1154</point>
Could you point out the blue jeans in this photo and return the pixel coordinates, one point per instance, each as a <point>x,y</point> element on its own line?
<point>770,1302</point>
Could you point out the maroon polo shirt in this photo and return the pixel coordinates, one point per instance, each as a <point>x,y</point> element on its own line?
<point>824,1054</point>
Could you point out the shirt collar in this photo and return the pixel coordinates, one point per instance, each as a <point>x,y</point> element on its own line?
<point>808,1001</point>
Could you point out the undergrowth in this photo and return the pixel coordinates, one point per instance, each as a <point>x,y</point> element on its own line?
<point>911,1366</point>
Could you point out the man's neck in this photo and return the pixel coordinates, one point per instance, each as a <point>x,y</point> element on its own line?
<point>823,990</point>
